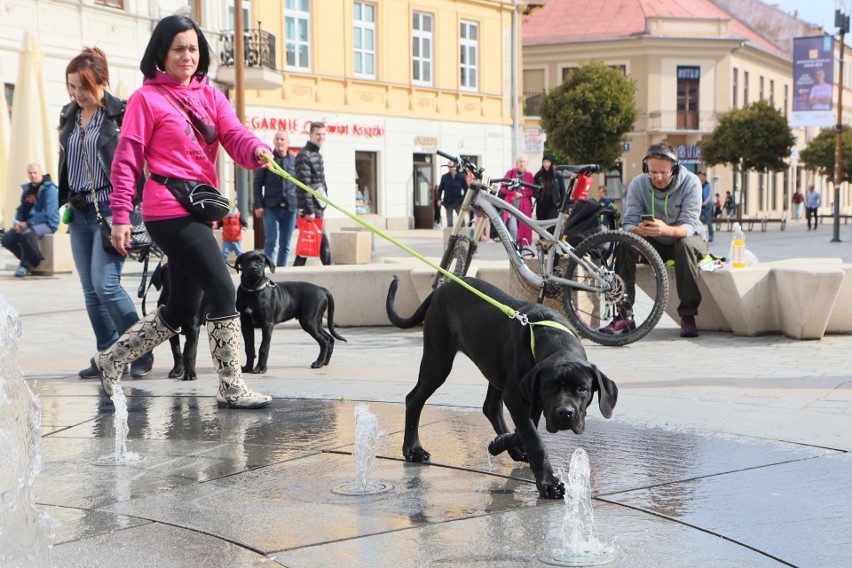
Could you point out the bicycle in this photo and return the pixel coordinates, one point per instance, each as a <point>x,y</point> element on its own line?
<point>585,277</point>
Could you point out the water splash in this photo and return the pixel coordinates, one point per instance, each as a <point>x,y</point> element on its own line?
<point>368,440</point>
<point>120,421</point>
<point>581,545</point>
<point>26,532</point>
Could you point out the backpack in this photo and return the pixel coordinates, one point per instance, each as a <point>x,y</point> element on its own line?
<point>588,217</point>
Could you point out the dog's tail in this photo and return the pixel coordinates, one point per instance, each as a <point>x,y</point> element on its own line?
<point>398,320</point>
<point>330,317</point>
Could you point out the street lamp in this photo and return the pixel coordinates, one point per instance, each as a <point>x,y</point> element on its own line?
<point>841,21</point>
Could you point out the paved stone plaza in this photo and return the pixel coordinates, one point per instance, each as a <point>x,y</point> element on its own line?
<point>722,450</point>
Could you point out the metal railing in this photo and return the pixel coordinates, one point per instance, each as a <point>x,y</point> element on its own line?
<point>674,120</point>
<point>258,48</point>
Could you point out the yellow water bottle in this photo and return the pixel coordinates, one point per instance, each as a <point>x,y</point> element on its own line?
<point>738,247</point>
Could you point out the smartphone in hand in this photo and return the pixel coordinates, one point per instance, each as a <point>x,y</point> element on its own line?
<point>646,217</point>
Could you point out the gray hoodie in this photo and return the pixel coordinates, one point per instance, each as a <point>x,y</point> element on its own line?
<point>680,204</point>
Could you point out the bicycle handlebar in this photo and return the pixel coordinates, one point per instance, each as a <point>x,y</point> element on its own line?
<point>464,164</point>
<point>513,182</point>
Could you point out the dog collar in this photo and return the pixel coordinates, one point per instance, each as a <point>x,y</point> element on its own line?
<point>265,283</point>
<point>545,323</point>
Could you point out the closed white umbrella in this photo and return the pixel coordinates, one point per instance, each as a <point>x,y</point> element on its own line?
<point>33,132</point>
<point>4,147</point>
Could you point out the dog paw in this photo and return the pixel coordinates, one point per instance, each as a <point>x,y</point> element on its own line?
<point>247,369</point>
<point>176,372</point>
<point>551,488</point>
<point>500,444</point>
<point>189,376</point>
<point>316,365</point>
<point>258,370</point>
<point>417,455</point>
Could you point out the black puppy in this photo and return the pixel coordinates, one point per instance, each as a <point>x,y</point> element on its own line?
<point>554,378</point>
<point>262,303</point>
<point>184,363</point>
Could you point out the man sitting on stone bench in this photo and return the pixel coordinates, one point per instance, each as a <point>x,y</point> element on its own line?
<point>663,205</point>
<point>36,216</point>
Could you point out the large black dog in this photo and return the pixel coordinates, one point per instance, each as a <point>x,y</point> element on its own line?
<point>263,303</point>
<point>554,378</point>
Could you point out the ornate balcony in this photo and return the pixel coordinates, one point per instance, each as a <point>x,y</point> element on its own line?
<point>259,57</point>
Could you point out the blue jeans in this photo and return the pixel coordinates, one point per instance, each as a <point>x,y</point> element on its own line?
<point>25,245</point>
<point>707,211</point>
<point>231,246</point>
<point>278,225</point>
<point>110,309</point>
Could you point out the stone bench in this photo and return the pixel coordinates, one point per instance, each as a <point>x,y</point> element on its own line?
<point>56,249</point>
<point>796,297</point>
<point>360,291</point>
<point>351,247</point>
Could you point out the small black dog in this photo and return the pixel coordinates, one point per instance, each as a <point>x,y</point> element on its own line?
<point>263,303</point>
<point>184,363</point>
<point>553,379</point>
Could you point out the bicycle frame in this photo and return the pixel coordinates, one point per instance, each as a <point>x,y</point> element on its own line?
<point>480,197</point>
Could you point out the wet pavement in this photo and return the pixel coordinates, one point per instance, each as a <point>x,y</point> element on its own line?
<point>722,450</point>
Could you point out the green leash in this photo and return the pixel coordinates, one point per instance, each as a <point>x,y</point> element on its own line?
<point>278,170</point>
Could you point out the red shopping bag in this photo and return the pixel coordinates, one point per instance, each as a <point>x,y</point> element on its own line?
<point>310,237</point>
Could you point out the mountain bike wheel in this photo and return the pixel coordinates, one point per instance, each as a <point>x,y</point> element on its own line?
<point>456,259</point>
<point>616,313</point>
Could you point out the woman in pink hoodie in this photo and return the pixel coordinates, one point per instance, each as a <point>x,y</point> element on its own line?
<point>174,124</point>
<point>520,198</point>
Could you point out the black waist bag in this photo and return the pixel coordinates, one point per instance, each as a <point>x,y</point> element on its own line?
<point>202,201</point>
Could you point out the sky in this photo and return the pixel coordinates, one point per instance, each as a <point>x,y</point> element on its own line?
<point>820,12</point>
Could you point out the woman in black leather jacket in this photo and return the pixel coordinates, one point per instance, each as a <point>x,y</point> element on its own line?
<point>99,115</point>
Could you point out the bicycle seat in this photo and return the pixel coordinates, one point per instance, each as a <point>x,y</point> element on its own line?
<point>585,169</point>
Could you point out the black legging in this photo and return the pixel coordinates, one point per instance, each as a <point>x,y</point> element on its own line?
<point>193,251</point>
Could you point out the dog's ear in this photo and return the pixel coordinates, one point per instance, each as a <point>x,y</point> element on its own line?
<point>238,262</point>
<point>607,392</point>
<point>269,263</point>
<point>528,386</point>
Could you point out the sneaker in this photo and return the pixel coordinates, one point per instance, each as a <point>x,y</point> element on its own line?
<point>91,373</point>
<point>142,366</point>
<point>21,272</point>
<point>619,325</point>
<point>688,327</point>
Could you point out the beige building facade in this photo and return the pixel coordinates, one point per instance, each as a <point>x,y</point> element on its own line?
<point>690,67</point>
<point>394,81</point>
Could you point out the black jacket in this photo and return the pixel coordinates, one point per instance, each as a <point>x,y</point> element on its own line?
<point>271,191</point>
<point>107,138</point>
<point>548,209</point>
<point>452,187</point>
<point>311,172</point>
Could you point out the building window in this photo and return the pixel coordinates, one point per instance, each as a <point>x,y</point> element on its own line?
<point>365,193</point>
<point>772,92</point>
<point>195,11</point>
<point>567,72</point>
<point>745,88</point>
<point>786,98</point>
<point>111,3</point>
<point>688,79</point>
<point>421,48</point>
<point>620,68</point>
<point>365,39</point>
<point>297,24</point>
<point>469,39</point>
<point>760,96</point>
<point>9,93</point>
<point>735,82</point>
<point>246,15</point>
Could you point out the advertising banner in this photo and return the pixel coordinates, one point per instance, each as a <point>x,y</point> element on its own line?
<point>813,81</point>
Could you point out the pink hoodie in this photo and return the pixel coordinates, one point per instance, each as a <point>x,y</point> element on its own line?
<point>155,133</point>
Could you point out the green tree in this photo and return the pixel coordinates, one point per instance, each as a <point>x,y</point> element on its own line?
<point>819,154</point>
<point>587,116</point>
<point>753,138</point>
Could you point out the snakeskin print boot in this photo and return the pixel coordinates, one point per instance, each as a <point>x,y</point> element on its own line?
<point>225,345</point>
<point>140,338</point>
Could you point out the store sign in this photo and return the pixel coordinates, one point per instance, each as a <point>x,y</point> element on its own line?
<point>534,140</point>
<point>303,126</point>
<point>429,141</point>
<point>688,154</point>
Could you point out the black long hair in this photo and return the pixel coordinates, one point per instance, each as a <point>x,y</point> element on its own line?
<point>161,41</point>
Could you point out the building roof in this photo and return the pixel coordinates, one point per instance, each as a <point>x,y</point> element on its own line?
<point>564,21</point>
